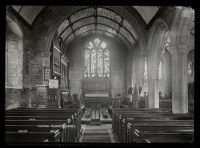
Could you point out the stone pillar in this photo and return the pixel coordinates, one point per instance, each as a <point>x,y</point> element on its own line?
<point>152,70</point>
<point>153,99</point>
<point>179,82</point>
<point>131,78</point>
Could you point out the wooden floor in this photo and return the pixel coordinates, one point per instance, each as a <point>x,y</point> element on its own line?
<point>97,134</point>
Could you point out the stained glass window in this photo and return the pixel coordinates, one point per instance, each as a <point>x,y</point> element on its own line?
<point>100,63</point>
<point>93,62</point>
<point>145,69</point>
<point>87,63</point>
<point>106,63</point>
<point>97,59</point>
<point>190,68</point>
<point>160,70</point>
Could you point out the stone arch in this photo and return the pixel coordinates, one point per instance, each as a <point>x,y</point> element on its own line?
<point>158,34</point>
<point>158,26</point>
<point>14,64</point>
<point>14,50</point>
<point>50,18</point>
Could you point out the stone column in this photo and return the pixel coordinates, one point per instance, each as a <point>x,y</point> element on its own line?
<point>179,81</point>
<point>152,70</point>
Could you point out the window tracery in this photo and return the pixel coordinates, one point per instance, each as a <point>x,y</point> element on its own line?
<point>97,59</point>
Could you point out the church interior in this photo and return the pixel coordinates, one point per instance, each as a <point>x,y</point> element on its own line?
<point>99,74</point>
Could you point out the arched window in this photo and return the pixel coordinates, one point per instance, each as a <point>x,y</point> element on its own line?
<point>190,68</point>
<point>97,59</point>
<point>145,69</point>
<point>160,70</point>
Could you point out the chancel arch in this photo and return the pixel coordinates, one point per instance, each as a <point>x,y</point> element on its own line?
<point>115,22</point>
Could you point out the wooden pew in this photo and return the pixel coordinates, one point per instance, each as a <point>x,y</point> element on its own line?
<point>30,128</point>
<point>145,113</point>
<point>39,114</point>
<point>46,126</point>
<point>44,109</point>
<point>182,129</point>
<point>157,118</point>
<point>115,117</point>
<point>159,135</point>
<point>170,137</point>
<point>47,112</point>
<point>37,117</point>
<point>138,112</point>
<point>34,122</point>
<point>23,137</point>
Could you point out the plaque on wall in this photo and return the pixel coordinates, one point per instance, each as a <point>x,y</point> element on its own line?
<point>53,83</point>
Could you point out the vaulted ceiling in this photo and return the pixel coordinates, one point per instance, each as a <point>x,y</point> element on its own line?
<point>96,20</point>
<point>92,19</point>
<point>30,12</point>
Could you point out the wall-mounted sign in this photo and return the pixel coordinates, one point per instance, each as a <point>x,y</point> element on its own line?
<point>53,83</point>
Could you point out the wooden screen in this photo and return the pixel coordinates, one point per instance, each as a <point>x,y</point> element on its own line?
<point>96,91</point>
